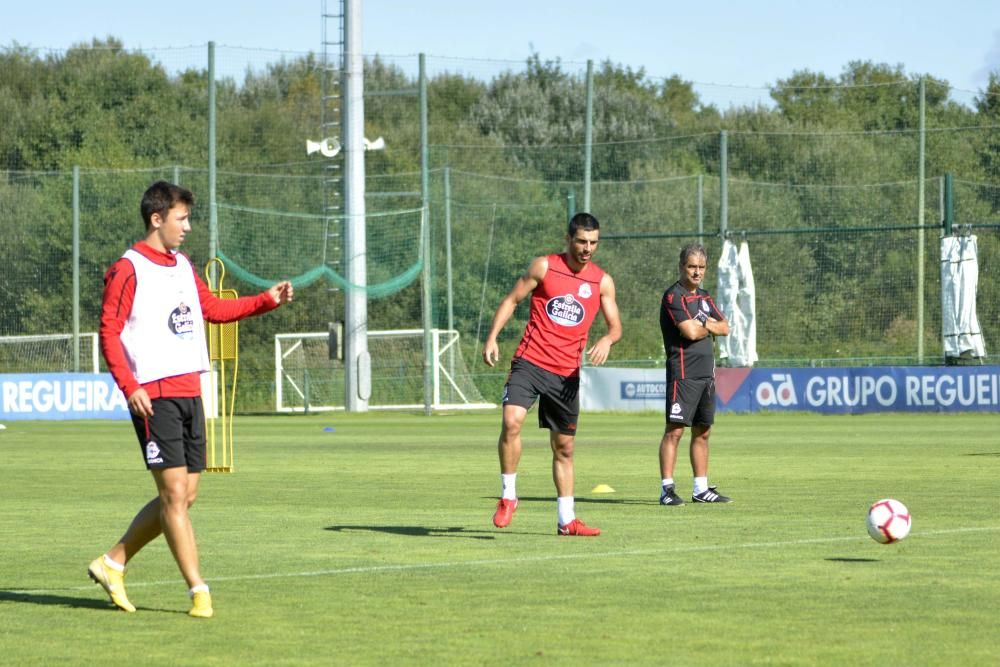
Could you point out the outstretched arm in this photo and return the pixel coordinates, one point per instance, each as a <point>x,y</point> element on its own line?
<point>522,288</point>
<point>599,351</point>
<point>219,310</point>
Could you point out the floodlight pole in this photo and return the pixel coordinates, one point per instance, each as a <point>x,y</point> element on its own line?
<point>357,362</point>
<point>430,358</point>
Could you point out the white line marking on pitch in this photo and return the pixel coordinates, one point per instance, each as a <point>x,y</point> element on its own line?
<point>369,569</point>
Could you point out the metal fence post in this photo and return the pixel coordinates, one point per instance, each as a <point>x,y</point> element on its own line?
<point>723,184</point>
<point>448,273</point>
<point>921,251</point>
<point>213,212</point>
<point>76,269</point>
<point>588,139</point>
<point>949,202</point>
<point>701,208</point>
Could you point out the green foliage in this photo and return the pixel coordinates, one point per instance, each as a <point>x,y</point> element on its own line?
<point>833,157</point>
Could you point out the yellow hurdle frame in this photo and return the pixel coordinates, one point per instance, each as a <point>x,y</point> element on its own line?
<point>223,353</point>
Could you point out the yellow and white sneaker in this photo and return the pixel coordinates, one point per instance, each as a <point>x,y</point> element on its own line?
<point>201,605</point>
<point>112,581</point>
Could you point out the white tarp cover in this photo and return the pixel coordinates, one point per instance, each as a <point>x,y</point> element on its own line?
<point>959,279</point>
<point>737,300</point>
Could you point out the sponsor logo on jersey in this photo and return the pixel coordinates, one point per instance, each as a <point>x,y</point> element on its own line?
<point>584,291</point>
<point>565,310</point>
<point>181,322</point>
<point>153,453</point>
<point>704,306</point>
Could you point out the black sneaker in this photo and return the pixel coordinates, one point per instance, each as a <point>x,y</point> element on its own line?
<point>710,496</point>
<point>668,497</point>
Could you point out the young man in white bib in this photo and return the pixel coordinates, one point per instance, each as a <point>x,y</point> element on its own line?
<point>152,336</point>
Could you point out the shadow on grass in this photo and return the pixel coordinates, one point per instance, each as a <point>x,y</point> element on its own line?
<point>421,531</point>
<point>68,601</point>
<point>983,454</point>
<point>59,600</point>
<point>853,560</point>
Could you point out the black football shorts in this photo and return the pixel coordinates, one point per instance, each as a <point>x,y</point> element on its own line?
<point>691,402</point>
<point>558,397</point>
<point>174,436</point>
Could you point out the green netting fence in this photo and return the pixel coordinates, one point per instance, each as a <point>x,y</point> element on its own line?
<point>840,195</point>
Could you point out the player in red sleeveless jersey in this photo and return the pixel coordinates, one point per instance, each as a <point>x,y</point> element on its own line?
<point>566,292</point>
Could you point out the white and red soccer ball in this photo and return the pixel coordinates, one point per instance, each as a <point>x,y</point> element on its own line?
<point>888,521</point>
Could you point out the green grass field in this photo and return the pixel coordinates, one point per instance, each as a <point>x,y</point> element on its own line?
<point>373,544</point>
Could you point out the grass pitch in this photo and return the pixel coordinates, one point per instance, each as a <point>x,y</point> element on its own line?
<point>372,544</point>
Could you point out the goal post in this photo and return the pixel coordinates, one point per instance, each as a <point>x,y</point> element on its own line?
<point>308,376</point>
<point>49,353</point>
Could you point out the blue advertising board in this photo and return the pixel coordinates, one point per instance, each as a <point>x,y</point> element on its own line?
<point>61,396</point>
<point>874,389</point>
<point>827,390</point>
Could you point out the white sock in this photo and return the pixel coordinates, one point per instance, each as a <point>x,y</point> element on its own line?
<point>667,481</point>
<point>700,485</point>
<point>200,588</point>
<point>564,505</point>
<point>117,567</point>
<point>508,485</point>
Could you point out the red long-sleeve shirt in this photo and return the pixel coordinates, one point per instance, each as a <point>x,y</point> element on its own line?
<point>119,292</point>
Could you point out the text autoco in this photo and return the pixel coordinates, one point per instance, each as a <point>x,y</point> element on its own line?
<point>919,390</point>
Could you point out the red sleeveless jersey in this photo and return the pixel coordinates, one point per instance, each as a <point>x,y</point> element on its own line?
<point>563,307</point>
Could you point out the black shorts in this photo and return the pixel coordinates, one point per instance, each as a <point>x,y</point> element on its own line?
<point>174,436</point>
<point>559,407</point>
<point>691,402</point>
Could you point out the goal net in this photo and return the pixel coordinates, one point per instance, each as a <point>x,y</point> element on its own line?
<point>308,377</point>
<point>48,353</point>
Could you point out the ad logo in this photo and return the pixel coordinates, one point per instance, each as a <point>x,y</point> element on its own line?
<point>780,391</point>
<point>565,310</point>
<point>639,390</point>
<point>181,322</point>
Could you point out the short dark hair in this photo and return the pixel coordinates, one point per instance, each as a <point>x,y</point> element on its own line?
<point>692,249</point>
<point>160,197</point>
<point>584,221</point>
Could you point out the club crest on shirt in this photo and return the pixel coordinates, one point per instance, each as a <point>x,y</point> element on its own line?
<point>584,291</point>
<point>181,322</point>
<point>153,453</point>
<point>704,306</point>
<point>565,310</point>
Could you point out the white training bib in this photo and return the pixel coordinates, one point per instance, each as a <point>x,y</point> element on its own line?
<point>165,332</point>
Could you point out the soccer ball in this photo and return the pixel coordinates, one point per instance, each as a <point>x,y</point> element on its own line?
<point>888,521</point>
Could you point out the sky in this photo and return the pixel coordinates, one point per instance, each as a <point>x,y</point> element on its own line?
<point>725,43</point>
